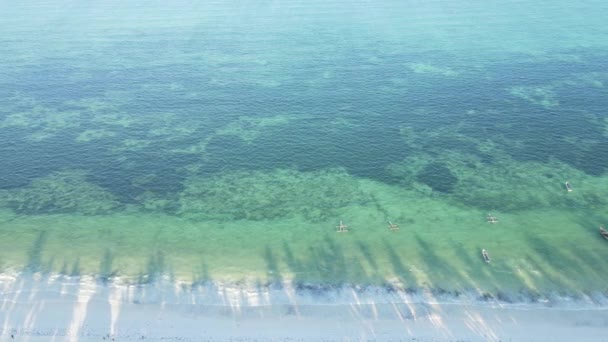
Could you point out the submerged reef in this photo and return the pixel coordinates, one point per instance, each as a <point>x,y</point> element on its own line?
<point>423,68</point>
<point>542,96</point>
<point>269,195</point>
<point>467,167</point>
<point>483,174</point>
<point>64,191</point>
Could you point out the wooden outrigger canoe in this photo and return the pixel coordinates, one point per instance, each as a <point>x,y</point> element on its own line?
<point>485,255</point>
<point>604,232</point>
<point>392,226</point>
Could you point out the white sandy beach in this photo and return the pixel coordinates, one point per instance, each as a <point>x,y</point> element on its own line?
<point>82,309</point>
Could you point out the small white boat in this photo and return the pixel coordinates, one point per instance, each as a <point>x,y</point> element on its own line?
<point>486,256</point>
<point>568,186</point>
<point>604,232</point>
<point>392,226</point>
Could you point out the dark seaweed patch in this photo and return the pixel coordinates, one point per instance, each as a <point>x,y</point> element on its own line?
<point>438,177</point>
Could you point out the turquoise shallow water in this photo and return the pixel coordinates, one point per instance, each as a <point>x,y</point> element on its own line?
<point>213,140</point>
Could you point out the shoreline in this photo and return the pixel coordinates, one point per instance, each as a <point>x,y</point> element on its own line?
<point>84,308</point>
<point>290,291</point>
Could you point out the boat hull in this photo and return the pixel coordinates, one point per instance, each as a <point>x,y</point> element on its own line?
<point>604,233</point>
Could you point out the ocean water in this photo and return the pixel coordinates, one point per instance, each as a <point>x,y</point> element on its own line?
<point>223,140</point>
